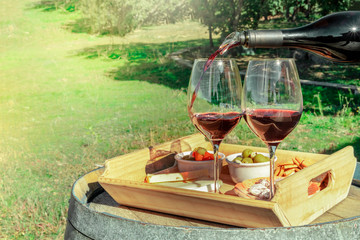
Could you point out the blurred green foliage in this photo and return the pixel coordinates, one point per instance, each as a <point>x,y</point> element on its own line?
<point>52,5</point>
<point>221,17</point>
<point>120,17</point>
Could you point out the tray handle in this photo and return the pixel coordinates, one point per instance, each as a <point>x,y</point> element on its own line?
<point>292,192</point>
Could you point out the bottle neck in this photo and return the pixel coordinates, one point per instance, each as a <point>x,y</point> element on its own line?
<point>263,38</point>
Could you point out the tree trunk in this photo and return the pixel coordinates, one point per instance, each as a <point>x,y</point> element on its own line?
<point>293,16</point>
<point>309,7</point>
<point>236,14</point>
<point>210,37</point>
<point>287,13</point>
<point>233,17</point>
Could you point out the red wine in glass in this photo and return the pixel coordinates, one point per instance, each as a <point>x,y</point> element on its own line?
<point>272,125</point>
<point>216,125</point>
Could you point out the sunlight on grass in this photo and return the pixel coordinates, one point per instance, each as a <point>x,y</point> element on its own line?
<point>69,108</point>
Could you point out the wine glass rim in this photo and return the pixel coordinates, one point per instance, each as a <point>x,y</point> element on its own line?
<point>272,59</point>
<point>216,59</point>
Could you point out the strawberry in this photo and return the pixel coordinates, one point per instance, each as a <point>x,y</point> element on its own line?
<point>208,156</point>
<point>198,156</point>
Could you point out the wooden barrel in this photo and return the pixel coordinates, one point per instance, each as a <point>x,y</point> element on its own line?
<point>93,214</point>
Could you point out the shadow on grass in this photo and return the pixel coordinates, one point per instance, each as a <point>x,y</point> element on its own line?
<point>146,62</point>
<point>78,26</point>
<point>53,5</point>
<point>83,25</point>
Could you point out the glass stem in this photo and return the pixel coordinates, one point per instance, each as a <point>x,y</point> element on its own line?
<point>272,150</point>
<point>216,145</point>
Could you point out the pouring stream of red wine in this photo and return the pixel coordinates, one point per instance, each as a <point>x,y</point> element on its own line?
<point>229,42</point>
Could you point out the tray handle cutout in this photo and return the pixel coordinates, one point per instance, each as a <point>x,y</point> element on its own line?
<point>320,182</point>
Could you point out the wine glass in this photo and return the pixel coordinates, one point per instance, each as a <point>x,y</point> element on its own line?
<point>272,103</point>
<point>214,102</point>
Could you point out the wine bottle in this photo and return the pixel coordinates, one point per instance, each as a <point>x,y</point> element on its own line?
<point>335,37</point>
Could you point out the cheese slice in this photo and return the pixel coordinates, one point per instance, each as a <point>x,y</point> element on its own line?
<point>197,185</point>
<point>176,177</point>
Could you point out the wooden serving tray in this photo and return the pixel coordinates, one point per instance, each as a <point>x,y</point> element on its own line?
<point>124,176</point>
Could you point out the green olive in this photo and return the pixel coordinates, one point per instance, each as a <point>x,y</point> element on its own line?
<point>247,160</point>
<point>261,158</point>
<point>238,159</point>
<point>246,153</point>
<point>200,150</point>
<point>253,155</point>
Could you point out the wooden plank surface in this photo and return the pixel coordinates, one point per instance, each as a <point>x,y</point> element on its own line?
<point>348,208</point>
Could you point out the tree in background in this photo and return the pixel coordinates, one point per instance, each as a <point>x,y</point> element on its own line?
<point>108,16</point>
<point>123,16</point>
<point>329,6</point>
<point>228,16</point>
<point>209,13</point>
<point>221,17</point>
<point>310,9</point>
<point>253,11</point>
<point>150,12</point>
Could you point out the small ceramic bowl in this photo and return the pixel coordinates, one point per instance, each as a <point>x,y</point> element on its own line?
<point>242,171</point>
<point>192,165</point>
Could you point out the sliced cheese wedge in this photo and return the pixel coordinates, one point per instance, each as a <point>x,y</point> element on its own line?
<point>175,177</point>
<point>197,185</point>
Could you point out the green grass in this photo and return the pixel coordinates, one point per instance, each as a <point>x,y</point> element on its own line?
<point>62,111</point>
<point>69,101</point>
